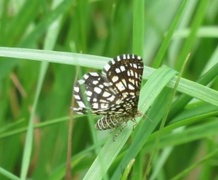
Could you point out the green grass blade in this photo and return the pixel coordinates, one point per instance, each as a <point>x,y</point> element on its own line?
<point>159,58</point>
<point>196,90</point>
<point>149,92</point>
<point>184,136</point>
<point>184,99</point>
<point>29,135</point>
<point>145,128</point>
<point>8,174</point>
<point>185,86</point>
<point>20,22</point>
<point>43,26</point>
<point>55,57</point>
<point>138,27</point>
<point>209,156</point>
<point>193,33</point>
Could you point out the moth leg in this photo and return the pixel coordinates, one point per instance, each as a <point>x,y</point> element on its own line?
<point>120,130</point>
<point>135,123</point>
<point>112,130</point>
<point>145,117</point>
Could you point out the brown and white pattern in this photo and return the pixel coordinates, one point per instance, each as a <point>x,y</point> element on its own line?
<point>114,93</point>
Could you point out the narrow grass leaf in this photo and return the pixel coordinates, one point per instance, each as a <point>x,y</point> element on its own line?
<point>138,27</point>
<point>209,156</point>
<point>149,92</point>
<point>159,58</point>
<point>198,18</point>
<point>145,128</point>
<point>128,170</point>
<point>29,135</point>
<point>196,90</point>
<point>8,174</point>
<point>185,86</point>
<point>187,135</point>
<point>184,99</point>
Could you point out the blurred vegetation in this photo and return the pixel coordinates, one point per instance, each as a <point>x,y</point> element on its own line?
<point>179,137</point>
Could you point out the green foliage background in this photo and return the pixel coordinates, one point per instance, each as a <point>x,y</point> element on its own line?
<point>45,44</point>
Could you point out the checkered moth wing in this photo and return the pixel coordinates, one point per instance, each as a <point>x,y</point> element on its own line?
<point>114,93</point>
